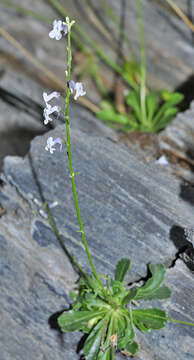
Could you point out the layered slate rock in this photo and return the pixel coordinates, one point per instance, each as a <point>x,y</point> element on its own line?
<point>177,142</point>
<point>129,208</point>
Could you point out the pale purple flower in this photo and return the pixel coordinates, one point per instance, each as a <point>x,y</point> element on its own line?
<point>78,88</point>
<point>162,160</point>
<point>48,111</point>
<point>58,28</point>
<point>53,204</point>
<point>51,143</point>
<point>48,97</point>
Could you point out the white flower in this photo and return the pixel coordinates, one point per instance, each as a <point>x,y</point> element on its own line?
<point>58,28</point>
<point>162,160</point>
<point>48,111</point>
<point>51,143</point>
<point>48,97</point>
<point>77,87</point>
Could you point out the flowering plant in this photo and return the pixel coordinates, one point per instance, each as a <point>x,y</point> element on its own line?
<point>104,308</point>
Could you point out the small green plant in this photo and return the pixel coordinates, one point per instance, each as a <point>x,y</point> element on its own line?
<point>103,308</point>
<point>147,111</point>
<point>107,316</point>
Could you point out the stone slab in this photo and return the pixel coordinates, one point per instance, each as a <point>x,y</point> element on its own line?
<point>129,208</point>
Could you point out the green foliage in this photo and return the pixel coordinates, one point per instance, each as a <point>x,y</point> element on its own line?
<point>161,107</point>
<point>108,315</point>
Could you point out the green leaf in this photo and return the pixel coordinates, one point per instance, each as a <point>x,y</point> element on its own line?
<point>106,105</point>
<point>128,334</point>
<point>132,348</point>
<point>122,268</point>
<point>112,116</point>
<point>152,105</point>
<point>165,118</point>
<point>148,319</point>
<point>93,284</point>
<point>158,272</point>
<point>162,293</point>
<point>172,98</point>
<point>93,342</point>
<point>133,100</point>
<point>75,320</point>
<point>130,296</point>
<point>91,301</point>
<point>131,70</point>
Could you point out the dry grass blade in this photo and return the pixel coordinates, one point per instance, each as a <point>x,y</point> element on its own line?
<point>181,14</point>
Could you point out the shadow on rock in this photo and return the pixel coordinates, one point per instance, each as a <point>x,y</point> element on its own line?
<point>182,239</point>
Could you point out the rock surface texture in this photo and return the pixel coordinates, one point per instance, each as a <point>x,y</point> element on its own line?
<point>130,208</point>
<point>177,142</point>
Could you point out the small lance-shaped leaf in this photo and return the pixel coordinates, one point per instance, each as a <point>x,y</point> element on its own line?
<point>76,320</point>
<point>158,272</point>
<point>152,104</point>
<point>112,116</point>
<point>128,332</point>
<point>93,341</point>
<point>131,348</point>
<point>130,296</point>
<point>133,100</point>
<point>162,293</point>
<point>172,98</point>
<point>122,268</point>
<point>148,319</point>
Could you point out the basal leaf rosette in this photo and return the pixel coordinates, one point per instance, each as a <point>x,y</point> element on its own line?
<point>109,317</point>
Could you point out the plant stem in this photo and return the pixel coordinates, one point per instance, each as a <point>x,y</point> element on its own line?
<point>72,174</point>
<point>180,322</point>
<point>143,65</point>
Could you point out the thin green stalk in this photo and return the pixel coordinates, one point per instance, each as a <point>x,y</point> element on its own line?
<point>169,319</point>
<point>143,65</point>
<point>180,322</point>
<point>72,174</point>
<point>56,232</point>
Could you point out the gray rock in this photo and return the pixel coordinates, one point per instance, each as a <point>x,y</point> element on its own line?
<point>129,208</point>
<point>176,141</point>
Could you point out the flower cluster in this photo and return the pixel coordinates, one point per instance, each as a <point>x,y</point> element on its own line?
<point>59,29</point>
<point>49,109</point>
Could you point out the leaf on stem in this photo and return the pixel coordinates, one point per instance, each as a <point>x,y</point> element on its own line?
<point>158,272</point>
<point>122,268</point>
<point>132,348</point>
<point>152,105</point>
<point>77,320</point>
<point>149,319</point>
<point>133,100</point>
<point>130,296</point>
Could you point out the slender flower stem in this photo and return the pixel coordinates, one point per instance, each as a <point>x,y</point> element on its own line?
<point>143,66</point>
<point>72,174</point>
